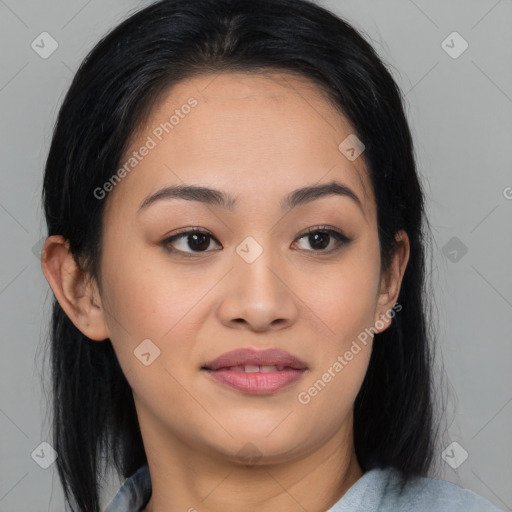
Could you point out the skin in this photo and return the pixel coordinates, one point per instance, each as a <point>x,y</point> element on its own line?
<point>257,137</point>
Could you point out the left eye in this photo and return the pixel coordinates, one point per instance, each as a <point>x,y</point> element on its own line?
<point>320,238</point>
<point>199,241</point>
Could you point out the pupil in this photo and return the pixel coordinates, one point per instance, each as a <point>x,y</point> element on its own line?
<point>201,237</point>
<point>323,236</point>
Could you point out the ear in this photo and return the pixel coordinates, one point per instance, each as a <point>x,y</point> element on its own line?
<point>391,282</point>
<point>77,294</point>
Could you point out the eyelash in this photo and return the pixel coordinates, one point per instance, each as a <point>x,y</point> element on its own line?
<point>340,238</point>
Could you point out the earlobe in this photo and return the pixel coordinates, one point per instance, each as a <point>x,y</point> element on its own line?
<point>77,295</point>
<point>392,281</point>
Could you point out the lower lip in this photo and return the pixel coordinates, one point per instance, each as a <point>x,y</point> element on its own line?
<point>257,383</point>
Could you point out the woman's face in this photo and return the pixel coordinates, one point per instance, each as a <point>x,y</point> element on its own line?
<point>254,279</point>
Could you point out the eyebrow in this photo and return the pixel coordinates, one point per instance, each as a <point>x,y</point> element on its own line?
<point>224,200</point>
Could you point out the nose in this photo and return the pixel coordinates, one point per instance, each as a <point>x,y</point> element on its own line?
<point>258,295</point>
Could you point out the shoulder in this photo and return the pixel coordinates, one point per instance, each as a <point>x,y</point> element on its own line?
<point>423,494</point>
<point>378,490</point>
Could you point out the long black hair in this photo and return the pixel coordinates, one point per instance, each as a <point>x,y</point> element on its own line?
<point>94,418</point>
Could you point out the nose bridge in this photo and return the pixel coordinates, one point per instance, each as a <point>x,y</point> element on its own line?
<point>257,294</point>
<point>256,264</point>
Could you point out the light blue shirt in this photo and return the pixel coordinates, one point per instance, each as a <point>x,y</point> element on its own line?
<point>376,491</point>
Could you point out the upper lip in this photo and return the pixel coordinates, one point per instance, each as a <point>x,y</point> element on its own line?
<point>248,356</point>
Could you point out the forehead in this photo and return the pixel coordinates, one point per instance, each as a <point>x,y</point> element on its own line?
<point>246,131</point>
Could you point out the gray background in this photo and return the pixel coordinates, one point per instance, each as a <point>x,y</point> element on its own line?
<point>460,110</point>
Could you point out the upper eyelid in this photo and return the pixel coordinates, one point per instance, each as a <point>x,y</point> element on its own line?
<point>188,231</point>
<point>192,230</point>
<point>313,229</point>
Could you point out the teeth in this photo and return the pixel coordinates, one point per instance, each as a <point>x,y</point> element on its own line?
<point>255,368</point>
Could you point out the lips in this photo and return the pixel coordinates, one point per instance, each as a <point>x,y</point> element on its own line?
<point>254,361</point>
<point>256,372</point>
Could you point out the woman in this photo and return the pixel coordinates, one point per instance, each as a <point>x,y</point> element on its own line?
<point>236,245</point>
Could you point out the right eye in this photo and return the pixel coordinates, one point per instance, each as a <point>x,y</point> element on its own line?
<point>196,240</point>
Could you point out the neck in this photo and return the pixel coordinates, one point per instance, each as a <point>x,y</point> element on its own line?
<point>191,481</point>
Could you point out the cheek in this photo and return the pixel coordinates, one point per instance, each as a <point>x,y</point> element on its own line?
<point>147,295</point>
<point>344,298</point>
<point>333,388</point>
<point>149,298</point>
<point>146,305</point>
<point>346,309</point>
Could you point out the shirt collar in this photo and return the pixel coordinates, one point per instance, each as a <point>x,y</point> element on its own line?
<point>134,494</point>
